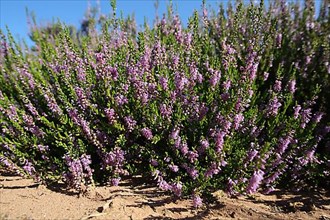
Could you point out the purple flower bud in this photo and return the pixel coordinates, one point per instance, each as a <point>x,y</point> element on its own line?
<point>175,133</point>
<point>296,111</point>
<point>306,117</point>
<point>163,82</point>
<point>163,185</point>
<point>215,78</point>
<point>277,86</point>
<point>147,133</point>
<point>193,173</point>
<point>192,156</point>
<point>273,177</point>
<point>292,86</point>
<point>115,181</point>
<point>29,168</point>
<point>165,111</point>
<point>251,155</point>
<point>255,181</point>
<point>283,144</point>
<point>225,96</point>
<point>121,100</point>
<point>204,144</point>
<point>110,114</point>
<point>184,148</point>
<point>173,168</point>
<point>197,201</point>
<point>154,162</point>
<point>177,188</point>
<point>130,123</point>
<point>212,170</point>
<point>219,140</point>
<point>226,85</point>
<point>317,117</point>
<point>238,119</point>
<point>273,106</point>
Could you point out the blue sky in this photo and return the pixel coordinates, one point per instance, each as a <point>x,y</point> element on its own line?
<point>13,12</point>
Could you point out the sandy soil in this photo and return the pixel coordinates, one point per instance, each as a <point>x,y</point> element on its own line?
<point>23,199</point>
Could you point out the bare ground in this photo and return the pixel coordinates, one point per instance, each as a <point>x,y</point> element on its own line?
<point>23,199</point>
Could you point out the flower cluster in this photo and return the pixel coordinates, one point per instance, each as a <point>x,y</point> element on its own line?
<point>235,99</point>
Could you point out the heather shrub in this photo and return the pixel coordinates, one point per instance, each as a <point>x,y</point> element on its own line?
<point>235,100</point>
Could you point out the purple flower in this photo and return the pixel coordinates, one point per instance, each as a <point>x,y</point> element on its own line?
<point>165,111</point>
<point>273,177</point>
<point>253,72</point>
<point>306,117</point>
<point>213,169</point>
<point>226,85</point>
<point>173,168</point>
<point>251,155</point>
<point>73,113</point>
<point>204,144</point>
<point>177,142</point>
<point>177,188</point>
<point>188,39</point>
<point>175,61</point>
<point>163,185</point>
<point>197,201</point>
<point>272,107</point>
<point>317,117</point>
<point>32,109</point>
<point>215,77</point>
<point>29,168</point>
<point>167,159</point>
<point>115,181</point>
<point>225,96</point>
<point>175,133</point>
<point>121,100</point>
<point>296,111</point>
<point>154,162</point>
<point>193,173</point>
<point>219,140</point>
<point>163,82</point>
<point>81,76</point>
<point>184,148</point>
<point>238,119</point>
<point>43,148</point>
<point>82,99</point>
<point>52,104</point>
<point>130,123</point>
<point>277,86</point>
<point>192,156</point>
<point>114,158</point>
<point>180,81</point>
<point>255,181</point>
<point>110,114</point>
<point>85,127</point>
<point>147,133</point>
<point>310,155</point>
<point>292,86</point>
<point>283,144</point>
<point>114,73</point>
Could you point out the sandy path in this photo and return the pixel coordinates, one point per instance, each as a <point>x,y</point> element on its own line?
<point>22,199</point>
